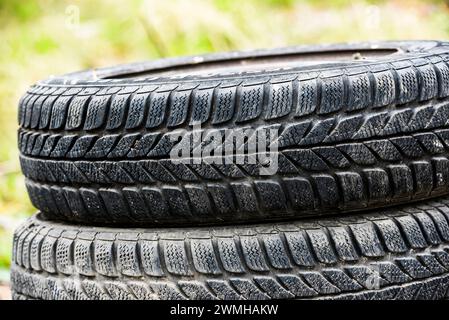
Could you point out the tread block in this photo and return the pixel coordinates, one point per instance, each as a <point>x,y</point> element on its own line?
<point>223,290</point>
<point>248,289</point>
<point>26,249</point>
<point>408,146</point>
<point>378,184</point>
<point>440,116</point>
<point>430,142</point>
<point>327,189</point>
<point>390,272</point>
<point>398,122</point>
<point>421,118</point>
<point>332,95</point>
<point>272,196</point>
<point>358,153</point>
<point>102,146</point>
<point>83,258</point>
<point>367,239</point>
<point>360,92</point>
<point>195,290</point>
<point>319,131</point>
<point>352,188</point>
<point>74,290</point>
<point>280,100</point>
<point>222,198</point>
<point>428,227</point>
<point>429,82</point>
<point>117,112</point>
<point>443,79</point>
<point>300,193</point>
<point>104,258</point>
<point>76,112</point>
<point>59,112</point>
<point>165,144</point>
<point>253,254</point>
<point>431,263</point>
<point>391,236</point>
<point>136,203</point>
<point>385,89</point>
<point>277,255</point>
<point>441,173</point>
<point>250,103</point>
<point>296,286</point>
<point>229,255</point>
<point>158,171</point>
<point>293,134</point>
<point>372,126</point>
<point>201,106</point>
<point>75,202</point>
<point>167,291</point>
<point>81,146</point>
<point>156,202</point>
<point>440,222</point>
<point>46,111</point>
<point>367,276</point>
<point>345,129</point>
<point>179,104</point>
<point>114,202</point>
<point>442,257</point>
<point>118,291</point>
<point>136,111</point>
<point>141,291</point>
<point>341,280</point>
<point>199,200</point>
<point>123,145</point>
<point>179,170</point>
<point>175,257</point>
<point>423,174</point>
<point>35,247</point>
<point>273,288</point>
<point>322,246</point>
<point>414,268</point>
<point>402,180</point>
<point>64,253</point>
<point>128,258</point>
<point>224,105</point>
<point>143,145</point>
<point>246,198</point>
<point>319,283</point>
<point>62,146</point>
<point>332,156</point>
<point>412,231</point>
<point>307,98</point>
<point>93,290</point>
<point>408,85</point>
<point>344,246</point>
<point>156,109</point>
<point>203,256</point>
<point>150,258</point>
<point>307,159</point>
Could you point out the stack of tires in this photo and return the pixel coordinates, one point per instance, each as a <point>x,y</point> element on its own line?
<point>356,208</point>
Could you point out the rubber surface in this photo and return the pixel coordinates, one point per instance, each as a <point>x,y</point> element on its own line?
<point>402,253</point>
<point>95,146</point>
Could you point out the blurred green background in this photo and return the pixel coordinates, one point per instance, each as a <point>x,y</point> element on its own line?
<point>41,38</point>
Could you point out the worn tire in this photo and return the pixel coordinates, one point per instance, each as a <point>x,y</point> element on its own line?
<point>359,134</point>
<point>402,253</point>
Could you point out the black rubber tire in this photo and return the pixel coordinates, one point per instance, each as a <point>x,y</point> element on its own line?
<point>402,253</point>
<point>352,135</point>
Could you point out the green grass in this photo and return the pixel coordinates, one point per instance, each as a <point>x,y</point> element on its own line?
<point>41,38</point>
